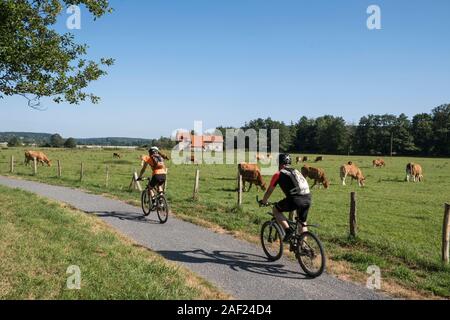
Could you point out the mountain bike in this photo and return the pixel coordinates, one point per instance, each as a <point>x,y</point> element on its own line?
<point>306,245</point>
<point>158,202</point>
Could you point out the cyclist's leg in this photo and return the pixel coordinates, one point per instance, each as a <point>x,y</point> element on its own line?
<point>152,185</point>
<point>160,181</point>
<point>281,219</point>
<point>285,205</point>
<point>303,204</point>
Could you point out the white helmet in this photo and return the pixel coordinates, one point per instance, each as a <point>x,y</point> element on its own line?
<point>153,150</point>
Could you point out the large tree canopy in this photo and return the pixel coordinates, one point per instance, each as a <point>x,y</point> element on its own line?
<point>36,61</point>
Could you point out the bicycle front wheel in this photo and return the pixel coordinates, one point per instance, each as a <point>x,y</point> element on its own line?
<point>146,202</point>
<point>310,254</point>
<point>162,209</point>
<point>272,240</point>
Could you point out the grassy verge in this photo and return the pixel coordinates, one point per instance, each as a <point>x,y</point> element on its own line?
<point>40,239</point>
<point>400,224</point>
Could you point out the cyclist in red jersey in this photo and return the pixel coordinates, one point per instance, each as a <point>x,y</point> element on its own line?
<point>297,192</point>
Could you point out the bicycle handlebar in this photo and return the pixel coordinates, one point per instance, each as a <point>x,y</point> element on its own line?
<point>268,204</point>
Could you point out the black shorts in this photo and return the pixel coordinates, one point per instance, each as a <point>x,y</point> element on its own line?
<point>157,180</point>
<point>299,203</point>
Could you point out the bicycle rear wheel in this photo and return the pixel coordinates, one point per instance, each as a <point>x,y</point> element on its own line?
<point>272,240</point>
<point>310,254</point>
<point>146,202</point>
<point>162,209</point>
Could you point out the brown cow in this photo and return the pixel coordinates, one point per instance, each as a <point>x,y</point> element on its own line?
<point>353,171</point>
<point>415,171</point>
<point>378,163</point>
<point>39,156</point>
<point>298,160</point>
<point>305,159</point>
<point>116,155</point>
<point>251,173</point>
<point>318,159</point>
<point>316,174</point>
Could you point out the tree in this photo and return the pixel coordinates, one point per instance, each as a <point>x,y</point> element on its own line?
<point>56,141</point>
<point>403,141</point>
<point>331,135</point>
<point>305,135</point>
<point>441,129</point>
<point>70,143</point>
<point>14,142</point>
<point>36,61</point>
<point>422,131</point>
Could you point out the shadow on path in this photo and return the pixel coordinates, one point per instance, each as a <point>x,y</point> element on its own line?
<point>130,216</point>
<point>236,261</point>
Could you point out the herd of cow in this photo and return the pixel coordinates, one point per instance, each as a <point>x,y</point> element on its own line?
<point>251,173</point>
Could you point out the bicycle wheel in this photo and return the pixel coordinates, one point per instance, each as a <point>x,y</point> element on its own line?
<point>162,209</point>
<point>146,203</point>
<point>310,254</point>
<point>272,240</point>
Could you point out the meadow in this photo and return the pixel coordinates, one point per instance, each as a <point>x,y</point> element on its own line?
<point>399,223</point>
<point>40,240</point>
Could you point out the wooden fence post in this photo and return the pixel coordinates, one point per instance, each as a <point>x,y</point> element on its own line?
<point>135,183</point>
<point>240,191</point>
<point>353,220</point>
<point>12,164</point>
<point>81,171</point>
<point>165,183</point>
<point>196,184</point>
<point>59,168</point>
<point>107,176</point>
<point>446,235</point>
<point>34,166</point>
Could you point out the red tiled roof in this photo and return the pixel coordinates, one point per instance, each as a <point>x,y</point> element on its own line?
<point>198,141</point>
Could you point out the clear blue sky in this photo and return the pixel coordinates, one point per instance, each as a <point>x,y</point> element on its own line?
<point>229,61</point>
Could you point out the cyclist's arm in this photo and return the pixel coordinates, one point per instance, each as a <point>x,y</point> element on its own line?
<point>268,194</point>
<point>272,186</point>
<point>143,170</point>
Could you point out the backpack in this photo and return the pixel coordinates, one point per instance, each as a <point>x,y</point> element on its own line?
<point>158,160</point>
<point>301,186</point>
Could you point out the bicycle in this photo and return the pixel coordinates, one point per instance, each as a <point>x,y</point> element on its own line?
<point>306,245</point>
<point>158,203</point>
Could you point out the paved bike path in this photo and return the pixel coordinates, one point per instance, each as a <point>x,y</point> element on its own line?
<point>237,267</point>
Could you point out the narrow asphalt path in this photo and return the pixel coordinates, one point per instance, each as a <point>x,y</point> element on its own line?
<point>237,267</point>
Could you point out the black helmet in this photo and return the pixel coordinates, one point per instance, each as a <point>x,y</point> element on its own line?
<point>284,159</point>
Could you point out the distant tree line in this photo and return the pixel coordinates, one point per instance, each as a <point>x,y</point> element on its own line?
<point>55,141</point>
<point>425,134</point>
<point>162,143</point>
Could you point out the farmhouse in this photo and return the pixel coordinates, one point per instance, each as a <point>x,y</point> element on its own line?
<point>187,141</point>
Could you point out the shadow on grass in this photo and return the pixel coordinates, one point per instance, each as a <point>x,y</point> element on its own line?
<point>227,189</point>
<point>225,179</point>
<point>393,180</point>
<point>119,162</point>
<point>236,261</point>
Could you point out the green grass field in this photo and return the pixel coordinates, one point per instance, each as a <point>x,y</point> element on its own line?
<point>40,239</point>
<point>400,224</point>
